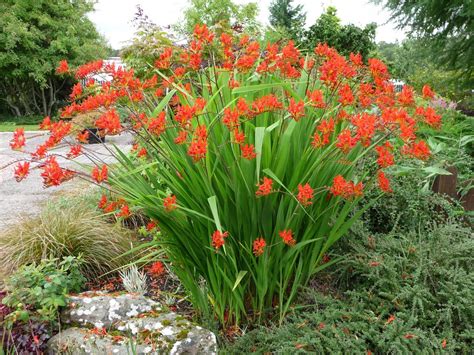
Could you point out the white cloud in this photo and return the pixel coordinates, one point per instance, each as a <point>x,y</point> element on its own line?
<point>113,17</point>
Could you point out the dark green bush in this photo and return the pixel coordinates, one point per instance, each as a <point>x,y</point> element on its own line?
<point>406,292</point>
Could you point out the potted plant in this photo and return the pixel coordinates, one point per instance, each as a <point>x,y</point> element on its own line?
<point>84,122</point>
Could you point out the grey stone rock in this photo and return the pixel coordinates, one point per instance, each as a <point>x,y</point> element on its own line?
<point>100,309</point>
<point>134,325</point>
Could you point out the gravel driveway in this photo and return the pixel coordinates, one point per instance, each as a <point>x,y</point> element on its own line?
<point>26,197</point>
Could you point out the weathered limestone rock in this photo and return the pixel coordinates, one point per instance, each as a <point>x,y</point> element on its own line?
<point>124,324</point>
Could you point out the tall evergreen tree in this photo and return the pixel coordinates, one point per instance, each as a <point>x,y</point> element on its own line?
<point>283,15</point>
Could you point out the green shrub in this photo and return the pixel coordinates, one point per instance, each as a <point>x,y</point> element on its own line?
<point>67,227</point>
<point>38,291</point>
<point>399,293</point>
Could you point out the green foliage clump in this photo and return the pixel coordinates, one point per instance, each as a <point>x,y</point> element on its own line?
<point>67,227</point>
<point>398,293</point>
<point>39,290</point>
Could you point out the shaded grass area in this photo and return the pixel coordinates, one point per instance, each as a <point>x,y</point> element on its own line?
<point>10,123</point>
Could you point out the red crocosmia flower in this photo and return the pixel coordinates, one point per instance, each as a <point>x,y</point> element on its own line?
<point>345,95</point>
<point>431,118</point>
<point>385,157</point>
<point>159,92</point>
<point>259,246</point>
<point>109,123</point>
<point>265,187</point>
<point>53,174</point>
<point>169,203</point>
<point>218,239</point>
<point>157,125</point>
<point>76,91</point>
<point>239,137</point>
<point>428,93</point>
<point>21,171</point>
<point>406,96</point>
<point>124,212</point>
<point>75,151</point>
<point>164,61</point>
<point>443,344</point>
<point>102,202</point>
<point>230,118</point>
<point>88,68</point>
<point>419,150</point>
<point>157,268</point>
<point>248,151</point>
<point>296,109</point>
<point>18,141</point>
<point>182,137</point>
<point>63,67</point>
<point>365,95</point>
<point>346,189</point>
<point>345,141</point>
<point>317,141</point>
<point>265,104</point>
<point>83,136</point>
<point>287,236</point>
<point>142,153</point>
<point>233,84</point>
<point>384,183</point>
<point>99,175</point>
<point>202,33</point>
<point>226,40</point>
<point>305,194</point>
<point>409,336</point>
<point>242,107</point>
<point>365,124</point>
<point>356,59</point>
<point>316,98</point>
<point>46,124</point>
<point>151,226</point>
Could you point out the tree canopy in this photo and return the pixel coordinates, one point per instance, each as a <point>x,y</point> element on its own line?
<point>34,36</point>
<point>223,13</point>
<point>345,38</point>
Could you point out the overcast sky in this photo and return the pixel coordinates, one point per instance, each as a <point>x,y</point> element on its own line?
<point>113,17</point>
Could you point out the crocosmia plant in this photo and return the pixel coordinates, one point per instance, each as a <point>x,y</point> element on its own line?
<point>251,159</point>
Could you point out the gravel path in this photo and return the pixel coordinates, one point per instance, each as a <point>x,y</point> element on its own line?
<point>26,197</point>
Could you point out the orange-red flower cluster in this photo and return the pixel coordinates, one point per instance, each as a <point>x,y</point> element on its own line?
<point>18,141</point>
<point>305,194</point>
<point>287,237</point>
<point>169,203</point>
<point>259,246</point>
<point>346,189</point>
<point>218,239</point>
<point>265,188</point>
<point>53,174</point>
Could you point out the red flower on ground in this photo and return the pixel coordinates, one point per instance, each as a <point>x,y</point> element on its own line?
<point>18,141</point>
<point>218,239</point>
<point>169,203</point>
<point>99,175</point>
<point>265,187</point>
<point>287,236</point>
<point>305,194</point>
<point>259,246</point>
<point>157,268</point>
<point>21,171</point>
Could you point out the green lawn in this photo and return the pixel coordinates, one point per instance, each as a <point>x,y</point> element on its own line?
<point>10,127</point>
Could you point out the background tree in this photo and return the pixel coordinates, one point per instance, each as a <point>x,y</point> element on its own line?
<point>291,19</point>
<point>448,24</point>
<point>345,38</point>
<point>34,36</point>
<point>223,13</point>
